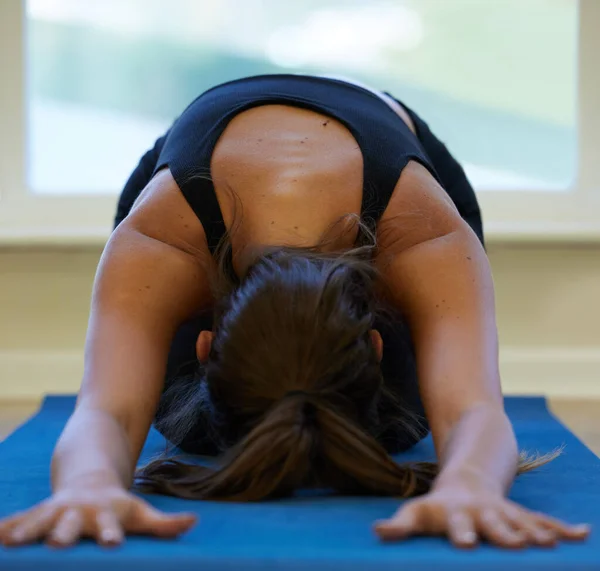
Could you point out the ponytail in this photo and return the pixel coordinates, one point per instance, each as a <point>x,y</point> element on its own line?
<point>301,441</point>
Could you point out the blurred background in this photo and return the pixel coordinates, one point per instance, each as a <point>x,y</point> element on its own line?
<point>484,73</point>
<point>511,86</point>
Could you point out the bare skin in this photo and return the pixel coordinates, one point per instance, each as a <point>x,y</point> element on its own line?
<point>295,173</point>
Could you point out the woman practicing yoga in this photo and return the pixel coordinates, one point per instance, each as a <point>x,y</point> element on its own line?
<point>287,261</point>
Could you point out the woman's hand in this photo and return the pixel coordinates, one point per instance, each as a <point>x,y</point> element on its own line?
<point>465,517</point>
<point>103,513</point>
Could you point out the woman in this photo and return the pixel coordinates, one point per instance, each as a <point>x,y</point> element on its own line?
<point>291,208</point>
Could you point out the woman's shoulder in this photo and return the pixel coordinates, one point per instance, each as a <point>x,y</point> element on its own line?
<point>161,212</point>
<point>418,210</point>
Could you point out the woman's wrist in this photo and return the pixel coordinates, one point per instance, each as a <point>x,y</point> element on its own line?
<point>470,477</point>
<point>91,480</point>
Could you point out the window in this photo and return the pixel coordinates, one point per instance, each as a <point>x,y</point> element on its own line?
<point>508,85</point>
<point>107,77</point>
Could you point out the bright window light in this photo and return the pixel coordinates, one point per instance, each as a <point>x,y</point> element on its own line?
<point>495,80</point>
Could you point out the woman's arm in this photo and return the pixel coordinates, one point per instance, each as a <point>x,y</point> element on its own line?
<point>152,276</point>
<point>438,274</point>
<point>445,289</point>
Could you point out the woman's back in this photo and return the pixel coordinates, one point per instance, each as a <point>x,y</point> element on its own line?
<point>286,156</point>
<point>294,171</point>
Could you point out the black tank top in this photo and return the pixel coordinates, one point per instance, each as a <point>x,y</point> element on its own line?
<point>386,142</point>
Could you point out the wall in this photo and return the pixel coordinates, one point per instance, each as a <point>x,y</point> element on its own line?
<point>547,299</point>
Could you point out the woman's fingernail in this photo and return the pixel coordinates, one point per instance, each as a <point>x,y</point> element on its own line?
<point>108,537</point>
<point>17,535</point>
<point>469,537</point>
<point>581,528</point>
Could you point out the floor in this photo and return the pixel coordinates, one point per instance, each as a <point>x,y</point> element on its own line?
<point>581,416</point>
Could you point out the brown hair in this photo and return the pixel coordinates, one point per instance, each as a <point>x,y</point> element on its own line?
<point>292,389</point>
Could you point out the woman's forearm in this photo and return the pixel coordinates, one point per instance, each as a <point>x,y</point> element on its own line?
<point>93,449</point>
<point>481,451</point>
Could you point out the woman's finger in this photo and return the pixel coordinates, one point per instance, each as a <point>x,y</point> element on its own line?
<point>406,522</point>
<point>495,528</point>
<point>147,520</point>
<point>108,529</point>
<point>6,529</point>
<point>522,521</point>
<point>9,523</point>
<point>67,530</point>
<point>563,530</point>
<point>34,527</point>
<point>461,529</point>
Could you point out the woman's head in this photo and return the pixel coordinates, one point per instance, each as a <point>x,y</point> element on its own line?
<point>290,386</point>
<point>296,322</point>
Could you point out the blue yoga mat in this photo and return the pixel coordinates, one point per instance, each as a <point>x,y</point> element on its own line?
<point>316,533</point>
